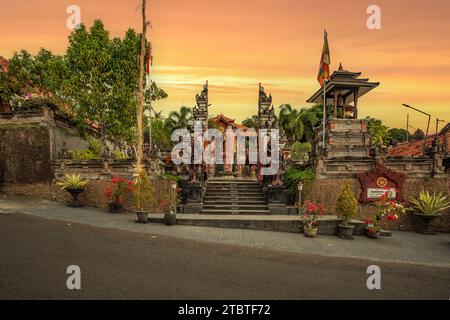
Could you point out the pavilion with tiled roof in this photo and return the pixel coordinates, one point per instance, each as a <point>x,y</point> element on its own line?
<point>224,122</point>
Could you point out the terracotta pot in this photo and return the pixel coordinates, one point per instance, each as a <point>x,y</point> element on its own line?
<point>372,234</point>
<point>75,192</point>
<point>426,220</point>
<point>346,231</point>
<point>141,216</point>
<point>115,207</point>
<point>310,232</point>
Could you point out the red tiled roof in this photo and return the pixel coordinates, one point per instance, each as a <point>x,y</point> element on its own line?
<point>228,121</point>
<point>416,148</point>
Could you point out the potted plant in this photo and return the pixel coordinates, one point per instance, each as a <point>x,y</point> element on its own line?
<point>346,208</point>
<point>115,193</point>
<point>311,217</point>
<point>427,207</point>
<point>144,196</point>
<point>384,207</point>
<point>73,184</point>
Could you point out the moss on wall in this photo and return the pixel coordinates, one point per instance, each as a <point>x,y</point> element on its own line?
<point>25,154</point>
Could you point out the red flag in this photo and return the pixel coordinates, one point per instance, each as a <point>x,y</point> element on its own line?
<point>324,70</point>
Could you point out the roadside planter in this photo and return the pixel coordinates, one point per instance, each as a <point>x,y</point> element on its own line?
<point>141,216</point>
<point>428,207</point>
<point>346,208</point>
<point>115,193</point>
<point>73,184</point>
<point>170,218</point>
<point>373,233</point>
<point>386,208</point>
<point>313,212</point>
<point>75,192</point>
<point>169,206</point>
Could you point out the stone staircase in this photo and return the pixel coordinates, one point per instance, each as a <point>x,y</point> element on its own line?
<point>237,197</point>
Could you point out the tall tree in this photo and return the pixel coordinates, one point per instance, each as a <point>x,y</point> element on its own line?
<point>251,122</point>
<point>290,122</point>
<point>179,119</point>
<point>377,129</point>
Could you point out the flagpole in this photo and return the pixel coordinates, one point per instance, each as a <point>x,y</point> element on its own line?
<point>149,86</point>
<point>324,112</point>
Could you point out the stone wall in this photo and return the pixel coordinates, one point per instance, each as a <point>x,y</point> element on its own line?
<point>29,142</point>
<point>25,154</point>
<point>92,196</point>
<point>325,191</point>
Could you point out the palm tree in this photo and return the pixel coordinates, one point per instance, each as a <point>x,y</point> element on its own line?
<point>290,122</point>
<point>179,119</point>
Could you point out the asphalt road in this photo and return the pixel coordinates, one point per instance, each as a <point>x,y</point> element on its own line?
<point>35,253</point>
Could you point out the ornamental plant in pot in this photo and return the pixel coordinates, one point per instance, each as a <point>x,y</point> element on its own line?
<point>384,208</point>
<point>346,208</point>
<point>73,184</point>
<point>311,218</point>
<point>169,206</point>
<point>115,193</point>
<point>428,207</point>
<point>144,194</point>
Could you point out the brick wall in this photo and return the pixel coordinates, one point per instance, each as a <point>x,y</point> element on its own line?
<point>326,192</point>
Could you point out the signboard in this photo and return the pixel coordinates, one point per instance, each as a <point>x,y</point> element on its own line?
<point>376,183</point>
<point>376,193</point>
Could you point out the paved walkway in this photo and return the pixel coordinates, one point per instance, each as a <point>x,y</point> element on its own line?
<point>404,247</point>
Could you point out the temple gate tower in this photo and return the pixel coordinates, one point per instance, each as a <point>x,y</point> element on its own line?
<point>200,111</point>
<point>347,141</point>
<point>266,113</point>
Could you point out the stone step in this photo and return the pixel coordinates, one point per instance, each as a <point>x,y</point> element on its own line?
<point>233,198</point>
<point>235,212</point>
<point>230,193</point>
<point>328,225</point>
<point>229,202</point>
<point>233,188</point>
<point>235,207</point>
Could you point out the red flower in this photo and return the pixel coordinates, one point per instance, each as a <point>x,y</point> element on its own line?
<point>392,218</point>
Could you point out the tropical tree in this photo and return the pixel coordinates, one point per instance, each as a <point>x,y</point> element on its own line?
<point>96,81</point>
<point>396,135</point>
<point>290,122</point>
<point>418,135</point>
<point>251,122</point>
<point>179,119</point>
<point>301,151</point>
<point>377,129</point>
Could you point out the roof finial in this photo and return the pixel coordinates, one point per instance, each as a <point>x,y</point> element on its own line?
<point>340,67</point>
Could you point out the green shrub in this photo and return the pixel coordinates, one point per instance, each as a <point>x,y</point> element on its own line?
<point>169,176</point>
<point>300,151</point>
<point>293,176</point>
<point>93,152</point>
<point>346,206</point>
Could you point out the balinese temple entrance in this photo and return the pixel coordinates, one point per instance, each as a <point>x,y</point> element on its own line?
<point>222,123</point>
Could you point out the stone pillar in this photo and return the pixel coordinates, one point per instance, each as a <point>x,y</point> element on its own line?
<point>355,101</point>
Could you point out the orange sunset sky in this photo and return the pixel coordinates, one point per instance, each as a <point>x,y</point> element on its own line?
<point>235,44</point>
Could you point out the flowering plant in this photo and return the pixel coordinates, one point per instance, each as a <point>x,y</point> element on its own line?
<point>385,207</point>
<point>117,188</point>
<point>312,213</point>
